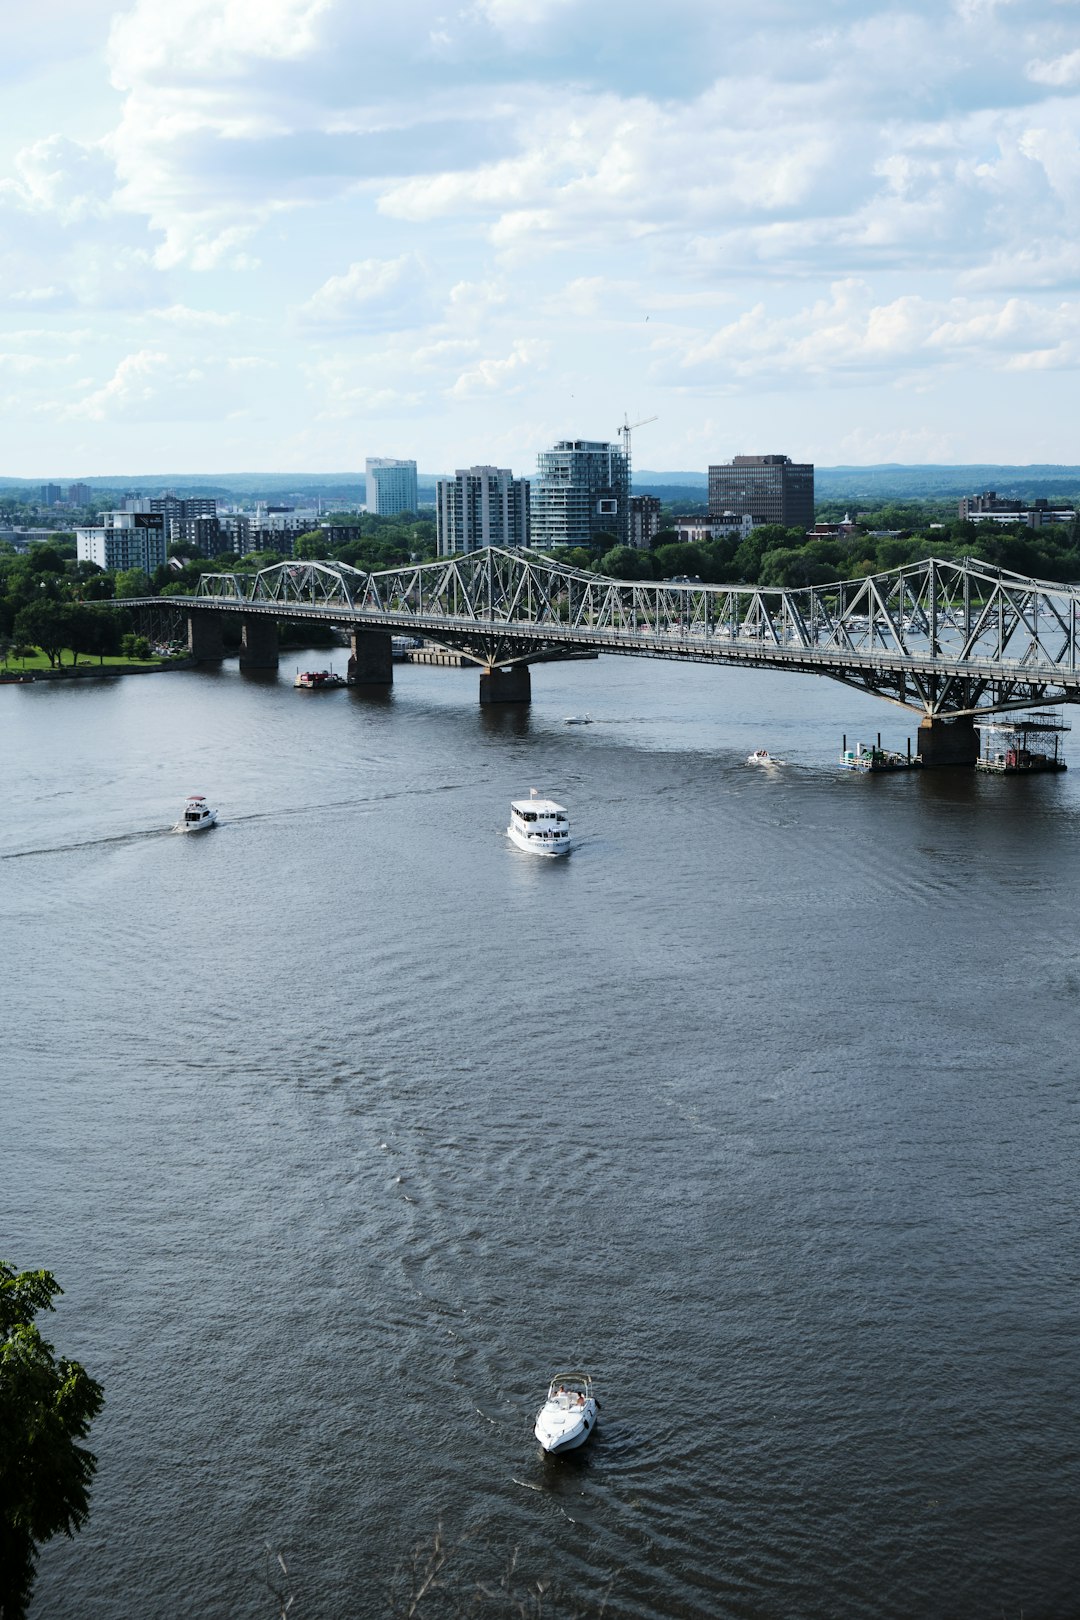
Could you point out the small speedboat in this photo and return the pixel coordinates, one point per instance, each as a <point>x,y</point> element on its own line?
<point>539,826</point>
<point>761,756</point>
<point>568,1416</point>
<point>197,816</point>
<point>578,720</point>
<point>318,680</point>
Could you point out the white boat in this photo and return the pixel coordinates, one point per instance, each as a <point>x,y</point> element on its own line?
<point>578,720</point>
<point>539,826</point>
<point>568,1416</point>
<point>761,756</point>
<point>197,816</point>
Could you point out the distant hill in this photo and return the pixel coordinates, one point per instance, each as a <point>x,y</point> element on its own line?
<point>865,485</point>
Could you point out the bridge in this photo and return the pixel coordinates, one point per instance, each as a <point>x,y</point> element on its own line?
<point>950,640</point>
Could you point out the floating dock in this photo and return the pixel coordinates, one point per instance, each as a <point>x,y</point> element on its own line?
<point>1024,746</point>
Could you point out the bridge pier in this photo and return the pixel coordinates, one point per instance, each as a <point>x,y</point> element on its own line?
<point>513,685</point>
<point>371,661</point>
<point>259,643</point>
<point>948,742</point>
<point>205,640</point>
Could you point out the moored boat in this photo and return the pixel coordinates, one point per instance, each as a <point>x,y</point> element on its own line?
<point>568,1416</point>
<point>539,826</point>
<point>197,816</point>
<point>318,680</point>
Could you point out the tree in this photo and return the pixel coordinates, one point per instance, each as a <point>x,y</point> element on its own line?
<point>625,562</point>
<point>42,625</point>
<point>46,1408</point>
<point>132,582</point>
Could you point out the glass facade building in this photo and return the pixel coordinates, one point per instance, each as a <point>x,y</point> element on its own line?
<point>481,506</point>
<point>582,490</point>
<point>389,486</point>
<point>770,489</point>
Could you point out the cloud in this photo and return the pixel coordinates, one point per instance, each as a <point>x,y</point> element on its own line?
<point>373,295</point>
<point>136,382</point>
<point>849,335</point>
<point>500,376</point>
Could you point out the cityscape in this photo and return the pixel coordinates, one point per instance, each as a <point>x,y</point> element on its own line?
<point>539,640</point>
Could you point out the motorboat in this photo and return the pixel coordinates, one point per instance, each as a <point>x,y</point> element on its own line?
<point>197,816</point>
<point>318,680</point>
<point>539,826</point>
<point>578,720</point>
<point>761,756</point>
<point>568,1416</point>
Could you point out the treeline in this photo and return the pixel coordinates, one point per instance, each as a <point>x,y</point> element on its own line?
<point>774,556</point>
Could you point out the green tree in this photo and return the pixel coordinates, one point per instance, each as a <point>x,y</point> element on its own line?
<point>42,625</point>
<point>626,562</point>
<point>132,582</point>
<point>46,1408</point>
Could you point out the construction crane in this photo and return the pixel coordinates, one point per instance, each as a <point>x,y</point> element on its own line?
<point>627,428</point>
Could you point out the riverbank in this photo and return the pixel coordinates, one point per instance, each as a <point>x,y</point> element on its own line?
<point>83,672</point>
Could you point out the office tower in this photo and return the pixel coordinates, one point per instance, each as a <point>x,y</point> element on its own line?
<point>481,506</point>
<point>390,486</point>
<point>51,494</point>
<point>582,492</point>
<point>79,494</point>
<point>644,520</point>
<point>770,489</point>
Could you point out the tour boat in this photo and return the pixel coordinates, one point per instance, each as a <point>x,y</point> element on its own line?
<point>568,1416</point>
<point>761,756</point>
<point>197,815</point>
<point>539,826</point>
<point>318,680</point>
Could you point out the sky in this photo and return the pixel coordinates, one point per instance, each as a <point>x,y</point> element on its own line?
<point>284,235</point>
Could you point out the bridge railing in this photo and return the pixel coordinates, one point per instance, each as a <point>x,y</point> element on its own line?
<point>954,611</point>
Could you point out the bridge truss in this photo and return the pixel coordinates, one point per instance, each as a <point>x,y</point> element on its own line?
<point>943,638</point>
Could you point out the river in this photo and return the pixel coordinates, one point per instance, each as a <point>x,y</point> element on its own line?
<point>346,1124</point>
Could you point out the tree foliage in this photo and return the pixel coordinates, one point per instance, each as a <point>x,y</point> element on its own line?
<point>46,1409</point>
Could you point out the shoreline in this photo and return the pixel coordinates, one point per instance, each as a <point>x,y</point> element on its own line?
<point>83,672</point>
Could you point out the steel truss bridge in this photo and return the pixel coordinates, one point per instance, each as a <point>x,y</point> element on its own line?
<point>947,639</point>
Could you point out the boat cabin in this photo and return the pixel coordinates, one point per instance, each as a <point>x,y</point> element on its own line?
<point>540,818</point>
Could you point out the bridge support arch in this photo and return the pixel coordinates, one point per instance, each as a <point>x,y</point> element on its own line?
<point>513,685</point>
<point>371,660</point>
<point>205,640</point>
<point>258,643</point>
<point>948,742</point>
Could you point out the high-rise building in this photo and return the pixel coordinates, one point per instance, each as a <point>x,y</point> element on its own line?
<point>770,489</point>
<point>79,494</point>
<point>51,494</point>
<point>644,520</point>
<point>125,540</point>
<point>581,493</point>
<point>390,486</point>
<point>481,506</point>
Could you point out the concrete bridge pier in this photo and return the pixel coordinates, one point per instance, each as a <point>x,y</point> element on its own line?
<point>371,660</point>
<point>513,685</point>
<point>205,641</point>
<point>948,742</point>
<point>259,643</point>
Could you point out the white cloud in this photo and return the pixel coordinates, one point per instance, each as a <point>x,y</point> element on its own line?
<point>501,375</point>
<point>373,295</point>
<point>849,335</point>
<point>136,381</point>
<point>1062,72</point>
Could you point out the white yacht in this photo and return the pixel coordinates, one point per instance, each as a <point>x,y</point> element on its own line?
<point>568,1416</point>
<point>539,826</point>
<point>197,815</point>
